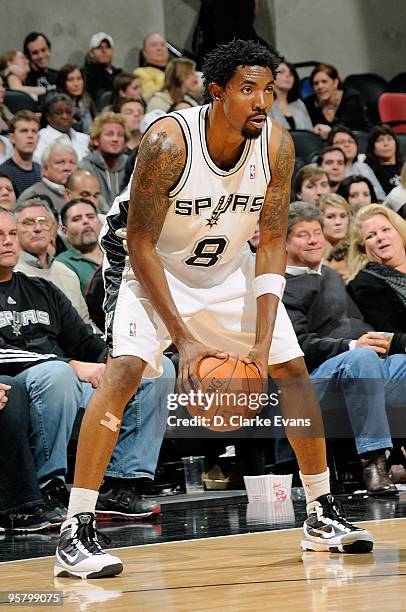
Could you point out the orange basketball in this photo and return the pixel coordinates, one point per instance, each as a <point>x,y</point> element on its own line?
<point>229,394</point>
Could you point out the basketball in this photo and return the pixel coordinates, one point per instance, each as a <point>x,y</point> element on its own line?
<point>230,391</point>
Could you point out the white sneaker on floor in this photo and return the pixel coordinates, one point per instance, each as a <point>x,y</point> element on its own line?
<point>79,553</point>
<point>327,530</point>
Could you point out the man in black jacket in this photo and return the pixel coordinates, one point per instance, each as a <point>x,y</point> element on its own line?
<point>99,70</point>
<point>45,344</point>
<point>342,353</point>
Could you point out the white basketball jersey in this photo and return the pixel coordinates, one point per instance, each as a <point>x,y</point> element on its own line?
<point>213,212</point>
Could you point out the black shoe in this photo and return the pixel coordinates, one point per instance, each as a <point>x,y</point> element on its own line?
<point>56,497</point>
<point>24,521</point>
<point>376,477</point>
<point>56,490</point>
<point>326,529</point>
<point>79,553</point>
<point>125,503</point>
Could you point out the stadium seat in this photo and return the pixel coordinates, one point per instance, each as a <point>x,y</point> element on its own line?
<point>18,100</point>
<point>402,140</point>
<point>398,83</point>
<point>362,138</point>
<point>103,99</point>
<point>370,86</point>
<point>392,110</point>
<point>307,144</point>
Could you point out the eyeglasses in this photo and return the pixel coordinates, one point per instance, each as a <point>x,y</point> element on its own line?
<point>349,141</point>
<point>31,221</point>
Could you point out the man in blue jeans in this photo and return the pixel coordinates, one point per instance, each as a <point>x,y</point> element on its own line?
<point>47,347</point>
<point>348,362</point>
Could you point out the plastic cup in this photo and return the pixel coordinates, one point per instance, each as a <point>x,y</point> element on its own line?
<point>269,487</point>
<point>193,468</point>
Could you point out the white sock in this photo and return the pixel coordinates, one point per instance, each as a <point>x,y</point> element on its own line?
<point>315,485</point>
<point>82,500</point>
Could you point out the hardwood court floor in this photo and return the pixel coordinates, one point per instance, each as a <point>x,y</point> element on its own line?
<point>249,572</point>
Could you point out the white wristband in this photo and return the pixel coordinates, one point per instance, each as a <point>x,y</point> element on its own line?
<point>269,283</point>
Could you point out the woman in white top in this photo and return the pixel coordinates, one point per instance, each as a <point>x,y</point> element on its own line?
<point>288,109</point>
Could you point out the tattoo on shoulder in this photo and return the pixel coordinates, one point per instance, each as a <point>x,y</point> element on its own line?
<point>277,199</point>
<point>159,165</point>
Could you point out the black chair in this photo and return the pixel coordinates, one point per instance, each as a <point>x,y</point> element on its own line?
<point>307,144</point>
<point>398,83</point>
<point>18,100</point>
<point>103,99</point>
<point>402,139</point>
<point>362,138</point>
<point>370,86</point>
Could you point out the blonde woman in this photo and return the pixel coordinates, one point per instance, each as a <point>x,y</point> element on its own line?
<point>377,263</point>
<point>180,80</point>
<point>378,286</point>
<point>336,224</point>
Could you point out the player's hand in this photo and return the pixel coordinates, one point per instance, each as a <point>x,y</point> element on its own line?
<point>3,394</point>
<point>89,372</point>
<point>259,358</point>
<point>373,340</point>
<point>190,353</point>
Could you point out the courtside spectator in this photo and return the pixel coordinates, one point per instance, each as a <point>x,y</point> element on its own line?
<point>59,160</point>
<point>333,161</point>
<point>332,105</point>
<point>106,159</point>
<point>58,113</point>
<point>83,184</point>
<point>180,80</point>
<point>14,68</point>
<point>288,109</point>
<point>35,222</point>
<point>20,166</point>
<point>310,183</point>
<point>81,227</point>
<point>345,139</point>
<point>71,82</point>
<point>126,86</point>
<point>99,70</point>
<point>342,352</point>
<point>37,48</point>
<point>132,112</point>
<point>384,155</point>
<point>7,192</point>
<point>154,58</point>
<point>358,191</point>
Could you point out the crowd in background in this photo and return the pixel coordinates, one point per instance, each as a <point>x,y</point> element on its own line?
<point>68,144</point>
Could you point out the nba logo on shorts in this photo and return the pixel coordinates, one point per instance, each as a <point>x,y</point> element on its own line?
<point>133,327</point>
<point>252,171</point>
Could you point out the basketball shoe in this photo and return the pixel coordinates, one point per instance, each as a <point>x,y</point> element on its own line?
<point>125,504</point>
<point>79,553</point>
<point>326,529</point>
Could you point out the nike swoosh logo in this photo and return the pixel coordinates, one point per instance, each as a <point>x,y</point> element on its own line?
<point>70,558</point>
<point>324,533</point>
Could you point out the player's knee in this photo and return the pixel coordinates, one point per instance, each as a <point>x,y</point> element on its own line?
<point>295,368</point>
<point>124,373</point>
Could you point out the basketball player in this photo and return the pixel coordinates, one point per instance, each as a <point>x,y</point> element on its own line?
<point>203,178</point>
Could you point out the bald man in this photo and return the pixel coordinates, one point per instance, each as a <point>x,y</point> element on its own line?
<point>84,184</point>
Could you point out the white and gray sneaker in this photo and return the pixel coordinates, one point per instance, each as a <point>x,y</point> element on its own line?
<point>79,553</point>
<point>327,530</point>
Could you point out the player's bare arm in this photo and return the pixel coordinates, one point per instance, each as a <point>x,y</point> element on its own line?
<point>160,163</point>
<point>271,252</point>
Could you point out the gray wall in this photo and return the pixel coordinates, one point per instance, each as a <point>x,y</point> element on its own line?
<point>69,25</point>
<point>354,35</point>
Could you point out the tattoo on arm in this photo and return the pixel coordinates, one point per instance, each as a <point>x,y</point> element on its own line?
<point>159,165</point>
<point>277,199</point>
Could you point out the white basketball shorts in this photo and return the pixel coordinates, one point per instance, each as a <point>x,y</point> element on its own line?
<point>223,317</point>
